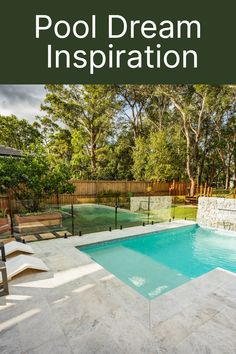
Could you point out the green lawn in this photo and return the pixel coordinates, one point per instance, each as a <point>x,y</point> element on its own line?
<point>184,211</point>
<point>177,212</point>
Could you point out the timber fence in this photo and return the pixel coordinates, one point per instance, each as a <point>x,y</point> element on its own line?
<point>92,188</point>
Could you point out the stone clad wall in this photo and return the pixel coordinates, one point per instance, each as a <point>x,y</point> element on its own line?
<point>217,213</point>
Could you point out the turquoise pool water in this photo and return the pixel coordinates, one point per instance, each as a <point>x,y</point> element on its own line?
<point>156,263</point>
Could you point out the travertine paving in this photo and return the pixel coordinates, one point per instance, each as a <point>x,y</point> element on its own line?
<point>79,307</point>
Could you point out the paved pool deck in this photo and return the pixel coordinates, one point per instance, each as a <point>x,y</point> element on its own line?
<point>79,307</point>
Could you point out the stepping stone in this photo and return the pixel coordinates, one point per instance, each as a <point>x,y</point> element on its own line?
<point>47,236</point>
<point>62,233</point>
<point>29,238</point>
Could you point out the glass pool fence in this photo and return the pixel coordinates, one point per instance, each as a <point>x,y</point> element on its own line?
<point>62,216</point>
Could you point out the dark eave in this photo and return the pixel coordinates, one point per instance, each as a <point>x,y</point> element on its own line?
<point>8,151</point>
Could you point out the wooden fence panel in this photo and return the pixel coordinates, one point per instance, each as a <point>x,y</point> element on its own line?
<point>90,189</point>
<point>4,202</point>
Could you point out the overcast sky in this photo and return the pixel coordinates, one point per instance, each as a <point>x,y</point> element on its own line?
<point>21,100</point>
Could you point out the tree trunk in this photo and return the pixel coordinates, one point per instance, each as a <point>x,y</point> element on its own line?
<point>227,177</point>
<point>199,175</point>
<point>192,186</point>
<point>189,168</point>
<point>93,154</point>
<point>57,196</point>
<point>234,175</point>
<point>234,162</point>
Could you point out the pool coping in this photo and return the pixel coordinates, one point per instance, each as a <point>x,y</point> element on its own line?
<point>146,234</point>
<point>136,231</point>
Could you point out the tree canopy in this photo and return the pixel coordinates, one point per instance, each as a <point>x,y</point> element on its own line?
<point>143,132</point>
<point>33,178</point>
<point>17,133</point>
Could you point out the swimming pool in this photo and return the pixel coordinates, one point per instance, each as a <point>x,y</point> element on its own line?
<point>158,262</point>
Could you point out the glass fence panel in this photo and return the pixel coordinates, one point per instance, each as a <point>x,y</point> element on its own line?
<point>41,222</point>
<point>77,215</point>
<point>5,220</point>
<point>152,209</point>
<point>125,217</point>
<point>183,210</point>
<point>89,217</point>
<point>5,226</point>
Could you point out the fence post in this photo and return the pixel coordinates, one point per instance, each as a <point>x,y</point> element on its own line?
<point>72,219</point>
<point>4,286</point>
<point>205,189</point>
<point>149,197</point>
<point>174,201</point>
<point>116,211</point>
<point>200,190</point>
<point>10,211</point>
<point>149,189</point>
<point>116,207</point>
<point>2,250</point>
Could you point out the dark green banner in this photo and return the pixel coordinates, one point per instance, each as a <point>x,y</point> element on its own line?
<point>118,41</point>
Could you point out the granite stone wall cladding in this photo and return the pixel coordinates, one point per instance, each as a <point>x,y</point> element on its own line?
<point>217,213</point>
<point>160,204</point>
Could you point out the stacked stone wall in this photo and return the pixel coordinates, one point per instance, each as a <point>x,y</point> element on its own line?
<point>217,213</point>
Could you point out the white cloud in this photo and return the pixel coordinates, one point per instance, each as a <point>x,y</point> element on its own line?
<point>21,100</point>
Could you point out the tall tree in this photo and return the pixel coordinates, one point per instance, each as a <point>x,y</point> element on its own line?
<point>134,100</point>
<point>87,111</point>
<point>225,143</point>
<point>160,156</point>
<point>197,105</point>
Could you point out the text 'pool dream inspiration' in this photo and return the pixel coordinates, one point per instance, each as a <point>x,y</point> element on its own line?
<point>112,56</point>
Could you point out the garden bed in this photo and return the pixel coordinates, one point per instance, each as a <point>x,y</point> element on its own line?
<point>34,223</point>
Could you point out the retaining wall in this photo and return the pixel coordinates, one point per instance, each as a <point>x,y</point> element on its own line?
<point>160,205</point>
<point>217,213</point>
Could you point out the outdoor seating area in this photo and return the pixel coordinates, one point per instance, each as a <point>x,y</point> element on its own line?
<point>14,260</point>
